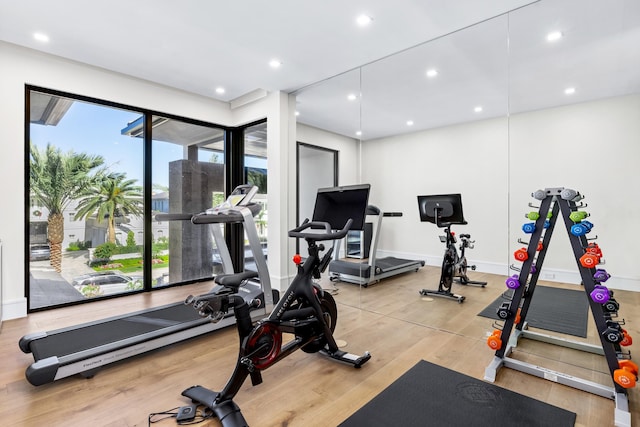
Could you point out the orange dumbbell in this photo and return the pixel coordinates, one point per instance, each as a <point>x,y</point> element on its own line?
<point>627,375</point>
<point>589,260</point>
<point>626,340</point>
<point>593,248</point>
<point>521,255</point>
<point>494,342</point>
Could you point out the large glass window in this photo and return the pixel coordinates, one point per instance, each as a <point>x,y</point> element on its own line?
<point>188,177</point>
<point>255,173</point>
<point>86,201</point>
<point>92,167</point>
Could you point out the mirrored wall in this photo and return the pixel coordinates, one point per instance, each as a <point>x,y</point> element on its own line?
<point>547,95</point>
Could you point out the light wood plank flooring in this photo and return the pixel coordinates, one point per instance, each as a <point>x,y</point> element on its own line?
<point>389,319</point>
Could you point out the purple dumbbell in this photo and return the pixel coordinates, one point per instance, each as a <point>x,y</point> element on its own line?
<point>601,275</point>
<point>513,282</point>
<point>600,294</point>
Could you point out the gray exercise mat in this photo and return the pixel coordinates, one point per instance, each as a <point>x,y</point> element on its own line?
<point>554,309</point>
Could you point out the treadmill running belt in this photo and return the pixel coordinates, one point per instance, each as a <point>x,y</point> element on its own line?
<point>91,336</point>
<point>386,264</point>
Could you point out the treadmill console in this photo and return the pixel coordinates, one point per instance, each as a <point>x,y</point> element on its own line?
<point>241,196</point>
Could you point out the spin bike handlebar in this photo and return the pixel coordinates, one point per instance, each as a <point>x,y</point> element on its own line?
<point>327,235</point>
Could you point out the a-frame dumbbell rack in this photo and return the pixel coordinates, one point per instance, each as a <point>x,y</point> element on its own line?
<point>524,293</point>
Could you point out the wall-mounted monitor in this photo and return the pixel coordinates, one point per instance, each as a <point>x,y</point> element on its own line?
<point>336,205</point>
<point>442,209</point>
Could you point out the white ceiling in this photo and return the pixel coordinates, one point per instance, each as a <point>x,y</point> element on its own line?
<point>198,45</point>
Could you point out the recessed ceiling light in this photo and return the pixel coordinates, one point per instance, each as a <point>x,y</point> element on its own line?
<point>220,90</point>
<point>554,36</point>
<point>364,20</point>
<point>409,122</point>
<point>570,91</point>
<point>359,133</point>
<point>352,97</point>
<point>432,72</point>
<point>478,109</point>
<point>275,63</point>
<point>297,113</point>
<point>41,37</point>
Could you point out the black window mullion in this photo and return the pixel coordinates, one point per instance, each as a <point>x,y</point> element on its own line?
<point>234,160</point>
<point>147,253</point>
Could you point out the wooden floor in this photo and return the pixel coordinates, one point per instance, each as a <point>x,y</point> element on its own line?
<point>390,319</point>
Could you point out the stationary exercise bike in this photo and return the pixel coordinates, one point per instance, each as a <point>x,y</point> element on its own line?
<point>460,262</point>
<point>305,311</point>
<point>445,211</point>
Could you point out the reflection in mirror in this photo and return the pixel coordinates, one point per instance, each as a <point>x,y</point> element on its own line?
<point>435,122</point>
<point>332,105</point>
<point>337,102</point>
<point>317,168</point>
<point>437,84</point>
<point>574,97</point>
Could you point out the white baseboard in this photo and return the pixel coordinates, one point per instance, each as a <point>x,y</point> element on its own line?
<point>550,275</point>
<point>14,309</point>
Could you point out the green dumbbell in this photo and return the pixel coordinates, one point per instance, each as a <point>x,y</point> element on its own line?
<point>532,215</point>
<point>577,216</point>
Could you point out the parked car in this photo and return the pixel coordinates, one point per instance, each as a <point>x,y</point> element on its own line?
<point>39,252</point>
<point>108,282</point>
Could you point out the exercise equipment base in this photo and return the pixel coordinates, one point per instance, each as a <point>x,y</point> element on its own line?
<point>470,282</point>
<point>622,416</point>
<point>443,294</point>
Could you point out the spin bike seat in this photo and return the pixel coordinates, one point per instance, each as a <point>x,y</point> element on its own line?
<point>234,280</point>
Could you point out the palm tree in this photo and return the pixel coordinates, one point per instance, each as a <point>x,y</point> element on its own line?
<point>258,178</point>
<point>56,179</point>
<point>111,197</point>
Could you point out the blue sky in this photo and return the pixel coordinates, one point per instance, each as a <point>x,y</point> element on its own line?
<point>95,129</point>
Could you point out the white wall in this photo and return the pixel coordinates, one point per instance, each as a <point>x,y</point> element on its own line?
<point>469,159</point>
<point>496,164</point>
<point>22,66</point>
<point>593,147</point>
<point>348,151</point>
<point>279,109</point>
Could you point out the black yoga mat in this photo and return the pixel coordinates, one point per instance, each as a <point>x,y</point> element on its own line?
<point>554,309</point>
<point>430,395</point>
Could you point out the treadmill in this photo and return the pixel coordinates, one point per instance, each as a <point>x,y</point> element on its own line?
<point>374,269</point>
<point>83,349</point>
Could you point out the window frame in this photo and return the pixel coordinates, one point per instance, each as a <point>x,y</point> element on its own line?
<point>234,162</point>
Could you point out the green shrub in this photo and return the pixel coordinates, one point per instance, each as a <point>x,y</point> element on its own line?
<point>131,240</point>
<point>104,251</point>
<point>78,246</point>
<point>127,250</point>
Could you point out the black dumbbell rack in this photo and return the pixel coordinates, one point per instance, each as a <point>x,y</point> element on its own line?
<point>551,200</point>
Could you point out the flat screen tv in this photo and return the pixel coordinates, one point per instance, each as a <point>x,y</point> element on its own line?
<point>336,205</point>
<point>441,209</point>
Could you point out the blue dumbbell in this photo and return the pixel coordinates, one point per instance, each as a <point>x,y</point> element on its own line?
<point>581,228</point>
<point>529,227</point>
